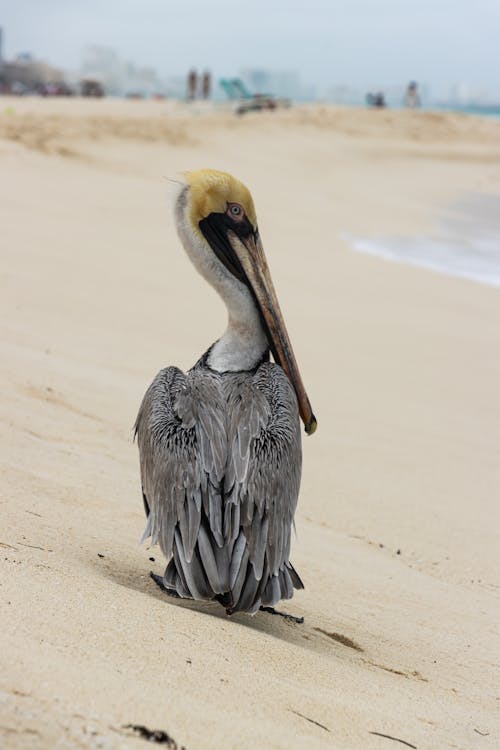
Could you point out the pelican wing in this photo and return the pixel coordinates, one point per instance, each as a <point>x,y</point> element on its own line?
<point>263,481</point>
<point>183,453</point>
<point>220,466</point>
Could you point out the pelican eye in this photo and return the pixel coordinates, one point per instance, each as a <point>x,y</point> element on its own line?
<point>236,220</point>
<point>235,209</point>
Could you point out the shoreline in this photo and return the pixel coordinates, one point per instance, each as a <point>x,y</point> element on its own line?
<point>464,242</point>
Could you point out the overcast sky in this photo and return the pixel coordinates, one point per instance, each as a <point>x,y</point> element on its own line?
<point>357,42</point>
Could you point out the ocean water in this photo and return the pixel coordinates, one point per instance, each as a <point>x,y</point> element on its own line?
<point>472,109</point>
<point>465,242</point>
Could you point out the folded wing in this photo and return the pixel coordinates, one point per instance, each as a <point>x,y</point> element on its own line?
<point>220,466</point>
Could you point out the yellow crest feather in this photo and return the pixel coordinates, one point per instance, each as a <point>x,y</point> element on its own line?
<point>211,191</point>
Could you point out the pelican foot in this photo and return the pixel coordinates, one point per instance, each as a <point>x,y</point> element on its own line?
<point>290,618</point>
<point>159,582</point>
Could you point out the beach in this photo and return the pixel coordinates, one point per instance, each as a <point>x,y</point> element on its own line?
<point>398,519</point>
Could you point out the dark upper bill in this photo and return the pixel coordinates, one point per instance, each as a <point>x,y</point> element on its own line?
<point>250,254</point>
<point>240,249</point>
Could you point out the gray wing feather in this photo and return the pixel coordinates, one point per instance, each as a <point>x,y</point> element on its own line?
<point>265,445</point>
<point>209,562</point>
<point>183,453</point>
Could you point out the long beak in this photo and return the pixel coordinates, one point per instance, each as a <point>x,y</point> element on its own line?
<point>250,254</point>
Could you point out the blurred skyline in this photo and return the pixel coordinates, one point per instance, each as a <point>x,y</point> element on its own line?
<point>358,43</point>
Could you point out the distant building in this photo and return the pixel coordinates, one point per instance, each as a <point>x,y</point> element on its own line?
<point>175,87</point>
<point>344,95</point>
<point>27,75</point>
<point>117,76</point>
<point>469,97</point>
<point>464,93</point>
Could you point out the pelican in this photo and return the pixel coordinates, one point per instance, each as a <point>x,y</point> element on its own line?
<point>220,446</point>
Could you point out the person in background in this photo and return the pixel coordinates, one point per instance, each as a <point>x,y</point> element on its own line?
<point>192,83</point>
<point>376,100</point>
<point>412,97</point>
<point>206,85</point>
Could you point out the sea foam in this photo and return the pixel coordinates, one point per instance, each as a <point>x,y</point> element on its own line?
<point>465,242</point>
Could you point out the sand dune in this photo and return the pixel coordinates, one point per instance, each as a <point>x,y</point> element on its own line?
<point>51,126</point>
<point>398,519</point>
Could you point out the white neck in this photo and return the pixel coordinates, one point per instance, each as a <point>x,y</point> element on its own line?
<point>244,342</point>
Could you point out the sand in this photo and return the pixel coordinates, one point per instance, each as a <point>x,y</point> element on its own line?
<point>398,518</point>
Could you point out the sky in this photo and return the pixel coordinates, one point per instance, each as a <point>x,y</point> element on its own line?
<point>360,43</point>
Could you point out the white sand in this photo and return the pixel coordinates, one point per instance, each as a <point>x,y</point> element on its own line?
<point>398,519</point>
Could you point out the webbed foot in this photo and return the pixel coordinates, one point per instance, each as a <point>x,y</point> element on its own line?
<point>290,618</point>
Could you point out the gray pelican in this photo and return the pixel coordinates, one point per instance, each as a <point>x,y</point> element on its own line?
<point>220,447</point>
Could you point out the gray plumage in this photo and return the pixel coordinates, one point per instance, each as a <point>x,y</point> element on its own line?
<point>220,458</point>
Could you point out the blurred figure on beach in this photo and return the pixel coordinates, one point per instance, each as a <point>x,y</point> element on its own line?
<point>412,97</point>
<point>192,84</point>
<point>90,87</point>
<point>376,100</point>
<point>206,85</point>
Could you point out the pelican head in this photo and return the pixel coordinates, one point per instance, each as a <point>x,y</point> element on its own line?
<point>217,224</point>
